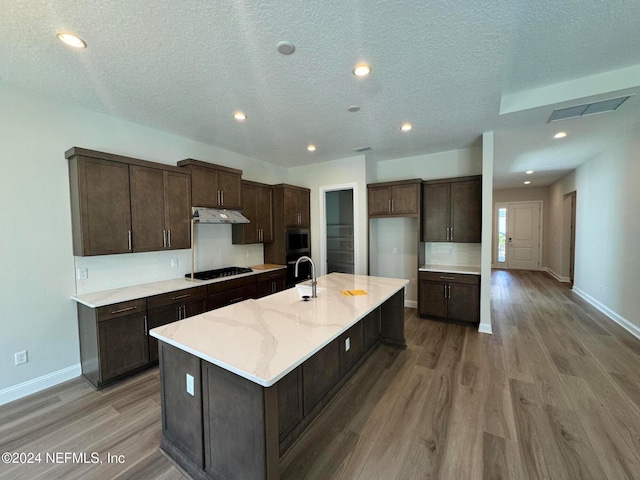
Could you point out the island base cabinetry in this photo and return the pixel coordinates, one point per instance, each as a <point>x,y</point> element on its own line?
<point>216,424</point>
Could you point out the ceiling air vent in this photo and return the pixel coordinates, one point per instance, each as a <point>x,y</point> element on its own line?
<point>362,149</point>
<point>587,109</point>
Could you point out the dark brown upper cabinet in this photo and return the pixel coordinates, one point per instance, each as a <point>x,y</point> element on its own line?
<point>160,209</point>
<point>214,186</point>
<point>257,207</point>
<point>394,199</point>
<point>122,205</point>
<point>296,206</point>
<point>452,210</point>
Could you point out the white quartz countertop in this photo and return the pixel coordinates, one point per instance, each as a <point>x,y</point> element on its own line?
<point>263,340</point>
<point>468,269</point>
<point>117,295</point>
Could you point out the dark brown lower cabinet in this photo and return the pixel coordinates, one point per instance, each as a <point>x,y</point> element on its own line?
<point>270,282</point>
<point>290,407</point>
<point>113,341</point>
<point>319,374</point>
<point>446,296</point>
<point>372,328</point>
<point>351,347</point>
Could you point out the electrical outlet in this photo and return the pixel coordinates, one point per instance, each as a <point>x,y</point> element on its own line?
<point>174,262</point>
<point>347,344</point>
<point>190,386</point>
<point>82,273</point>
<point>21,357</point>
<point>395,250</point>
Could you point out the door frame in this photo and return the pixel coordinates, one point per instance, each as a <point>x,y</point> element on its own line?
<point>494,255</point>
<point>322,268</point>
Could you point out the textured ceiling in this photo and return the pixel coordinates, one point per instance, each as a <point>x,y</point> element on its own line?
<point>185,66</point>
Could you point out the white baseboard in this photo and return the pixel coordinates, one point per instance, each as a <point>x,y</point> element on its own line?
<point>485,328</point>
<point>630,327</point>
<point>556,276</point>
<point>37,384</point>
<point>410,303</point>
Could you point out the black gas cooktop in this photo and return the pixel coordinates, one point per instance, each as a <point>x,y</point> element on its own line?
<point>218,273</point>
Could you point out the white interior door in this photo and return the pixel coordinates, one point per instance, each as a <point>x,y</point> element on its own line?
<point>523,236</point>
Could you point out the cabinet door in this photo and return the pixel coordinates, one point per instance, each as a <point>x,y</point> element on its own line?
<point>289,401</point>
<point>123,345</point>
<point>157,317</point>
<point>292,207</point>
<point>147,209</point>
<point>304,207</point>
<point>319,374</point>
<point>464,302</point>
<point>432,299</point>
<point>105,206</point>
<point>177,210</point>
<point>228,297</point>
<point>204,187</point>
<point>250,210</point>
<point>404,199</point>
<point>435,212</point>
<point>372,328</point>
<point>264,207</point>
<point>195,307</point>
<point>466,211</point>
<point>379,200</point>
<point>230,186</point>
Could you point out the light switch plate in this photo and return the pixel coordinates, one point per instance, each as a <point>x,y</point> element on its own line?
<point>82,273</point>
<point>190,386</point>
<point>347,344</point>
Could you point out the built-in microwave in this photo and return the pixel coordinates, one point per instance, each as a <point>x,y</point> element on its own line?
<point>297,240</point>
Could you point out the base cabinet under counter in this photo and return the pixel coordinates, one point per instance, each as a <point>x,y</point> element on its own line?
<point>114,341</point>
<point>449,296</point>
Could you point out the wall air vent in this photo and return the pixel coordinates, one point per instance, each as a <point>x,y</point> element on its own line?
<point>587,109</point>
<point>362,149</point>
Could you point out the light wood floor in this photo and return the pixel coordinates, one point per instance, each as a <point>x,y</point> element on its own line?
<point>554,393</point>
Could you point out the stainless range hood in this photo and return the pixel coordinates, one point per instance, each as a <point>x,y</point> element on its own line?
<point>216,216</point>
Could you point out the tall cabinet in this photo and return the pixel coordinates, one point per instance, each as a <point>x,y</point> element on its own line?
<point>257,207</point>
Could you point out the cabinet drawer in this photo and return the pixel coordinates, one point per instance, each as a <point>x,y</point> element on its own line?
<point>231,284</point>
<point>120,309</point>
<point>450,277</point>
<point>177,296</point>
<point>234,295</point>
<point>262,277</point>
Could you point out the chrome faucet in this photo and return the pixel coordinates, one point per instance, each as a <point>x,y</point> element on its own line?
<point>314,294</point>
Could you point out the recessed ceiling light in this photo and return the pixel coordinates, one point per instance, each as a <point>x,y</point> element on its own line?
<point>560,135</point>
<point>72,40</point>
<point>362,70</point>
<point>529,172</point>
<point>239,116</point>
<point>406,127</point>
<point>527,182</point>
<point>311,148</point>
<point>286,48</point>
<point>354,108</point>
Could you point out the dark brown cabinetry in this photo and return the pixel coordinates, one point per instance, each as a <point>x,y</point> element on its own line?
<point>160,209</point>
<point>171,307</point>
<point>319,374</point>
<point>394,199</point>
<point>228,292</point>
<point>257,207</point>
<point>100,205</point>
<point>290,407</point>
<point>291,209</point>
<point>270,282</point>
<point>113,341</point>
<point>214,186</point>
<point>449,296</point>
<point>121,204</point>
<point>452,210</point>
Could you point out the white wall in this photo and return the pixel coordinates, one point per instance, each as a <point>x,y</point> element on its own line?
<point>37,273</point>
<point>556,258</point>
<point>607,228</point>
<point>449,164</point>
<point>329,174</point>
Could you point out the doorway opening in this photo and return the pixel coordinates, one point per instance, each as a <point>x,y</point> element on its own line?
<point>339,235</point>
<point>519,235</point>
<point>569,235</point>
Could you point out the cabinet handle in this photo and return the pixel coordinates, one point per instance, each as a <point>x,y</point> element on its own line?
<point>451,230</point>
<point>222,197</point>
<point>130,241</point>
<point>448,291</point>
<point>169,238</point>
<point>164,239</point>
<point>236,300</point>
<point>392,207</point>
<point>124,310</point>
<point>448,278</point>
<point>445,291</point>
<point>184,311</point>
<point>181,296</point>
<point>389,205</point>
<point>146,327</point>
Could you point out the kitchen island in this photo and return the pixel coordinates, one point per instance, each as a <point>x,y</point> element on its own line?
<point>240,384</point>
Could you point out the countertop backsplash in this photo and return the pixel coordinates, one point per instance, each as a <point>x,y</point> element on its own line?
<point>467,254</point>
<point>213,250</point>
